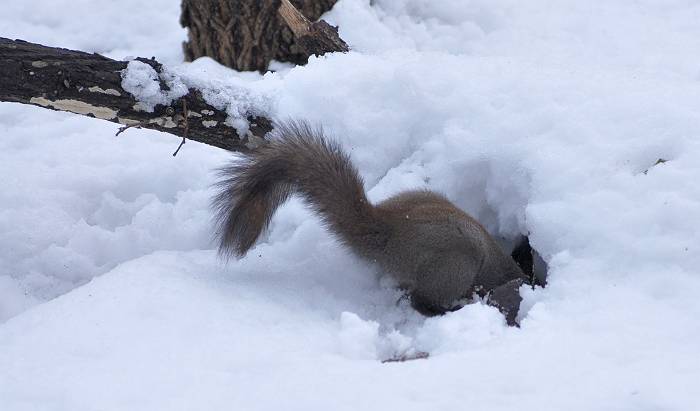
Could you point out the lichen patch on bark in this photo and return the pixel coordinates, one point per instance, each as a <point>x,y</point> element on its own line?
<point>76,106</point>
<point>111,91</point>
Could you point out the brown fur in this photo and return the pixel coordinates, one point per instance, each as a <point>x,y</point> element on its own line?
<point>437,252</point>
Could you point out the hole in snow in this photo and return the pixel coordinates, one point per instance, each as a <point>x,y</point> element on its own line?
<point>530,261</point>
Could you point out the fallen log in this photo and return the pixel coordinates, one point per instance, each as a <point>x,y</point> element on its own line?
<point>91,85</point>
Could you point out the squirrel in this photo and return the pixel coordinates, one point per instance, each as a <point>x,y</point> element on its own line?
<point>436,252</point>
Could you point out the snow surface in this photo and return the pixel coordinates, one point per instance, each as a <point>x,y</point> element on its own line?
<point>536,117</point>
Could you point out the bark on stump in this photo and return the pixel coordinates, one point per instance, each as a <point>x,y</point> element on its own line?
<point>245,34</point>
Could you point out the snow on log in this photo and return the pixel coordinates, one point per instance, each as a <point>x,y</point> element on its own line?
<point>91,85</point>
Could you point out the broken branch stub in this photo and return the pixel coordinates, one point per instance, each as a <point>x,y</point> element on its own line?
<point>245,34</point>
<point>315,38</point>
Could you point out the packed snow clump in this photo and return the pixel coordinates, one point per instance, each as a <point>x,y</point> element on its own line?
<point>239,98</point>
<point>143,82</point>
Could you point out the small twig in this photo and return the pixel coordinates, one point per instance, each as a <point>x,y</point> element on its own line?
<point>418,355</point>
<point>187,127</point>
<point>124,128</point>
<point>659,161</point>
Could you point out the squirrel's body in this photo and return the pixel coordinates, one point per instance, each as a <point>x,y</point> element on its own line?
<point>457,256</point>
<point>434,250</point>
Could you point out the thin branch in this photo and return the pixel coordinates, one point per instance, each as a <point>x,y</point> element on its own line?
<point>185,114</point>
<point>124,128</point>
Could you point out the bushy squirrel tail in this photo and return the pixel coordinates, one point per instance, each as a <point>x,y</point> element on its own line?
<point>298,159</point>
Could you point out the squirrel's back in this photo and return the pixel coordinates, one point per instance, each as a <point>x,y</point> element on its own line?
<point>434,250</point>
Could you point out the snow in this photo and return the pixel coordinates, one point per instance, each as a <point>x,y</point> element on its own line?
<point>143,82</point>
<point>540,118</point>
<point>238,94</point>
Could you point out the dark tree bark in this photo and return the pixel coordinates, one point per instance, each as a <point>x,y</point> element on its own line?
<point>90,84</point>
<point>314,38</point>
<point>245,34</point>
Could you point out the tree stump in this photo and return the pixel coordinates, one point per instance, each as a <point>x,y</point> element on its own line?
<point>245,34</point>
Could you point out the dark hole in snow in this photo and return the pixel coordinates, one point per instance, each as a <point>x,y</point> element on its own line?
<point>530,262</point>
